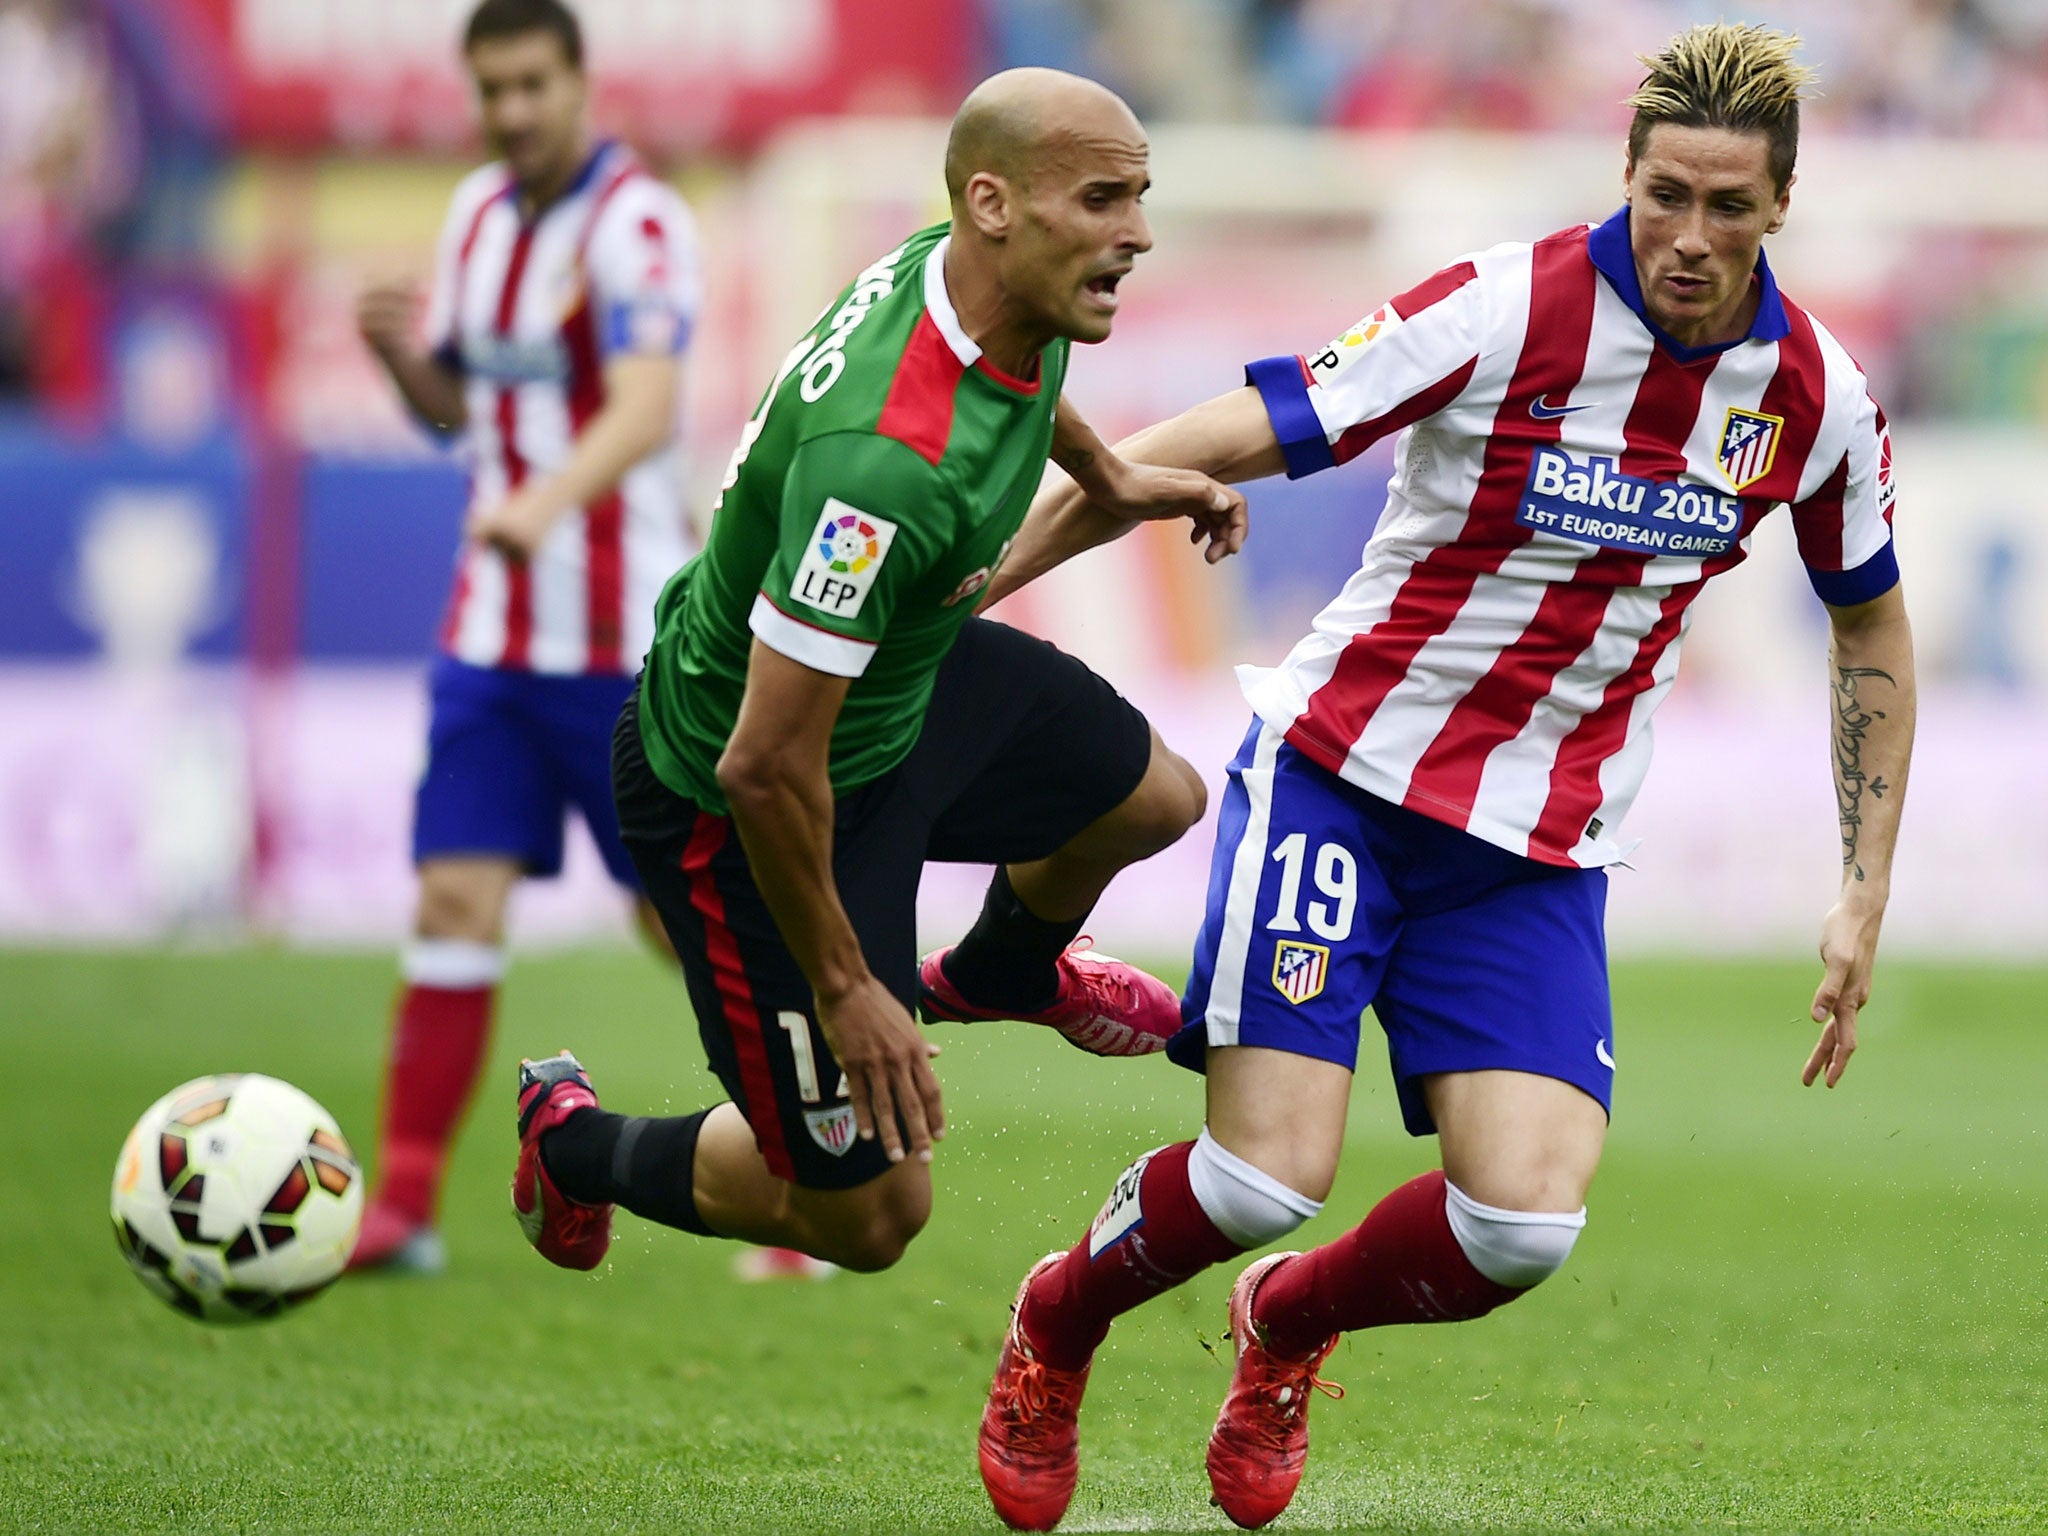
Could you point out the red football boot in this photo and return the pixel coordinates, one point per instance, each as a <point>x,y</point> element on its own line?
<point>566,1231</point>
<point>1030,1444</point>
<point>1104,1006</point>
<point>1260,1443</point>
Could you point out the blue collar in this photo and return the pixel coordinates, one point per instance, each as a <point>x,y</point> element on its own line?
<point>599,152</point>
<point>1609,247</point>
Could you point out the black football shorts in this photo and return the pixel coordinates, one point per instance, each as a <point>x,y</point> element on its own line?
<point>1022,748</point>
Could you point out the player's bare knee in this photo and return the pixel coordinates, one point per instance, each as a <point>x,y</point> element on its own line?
<point>1517,1249</point>
<point>1246,1204</point>
<point>1169,800</point>
<point>883,1240</point>
<point>454,908</point>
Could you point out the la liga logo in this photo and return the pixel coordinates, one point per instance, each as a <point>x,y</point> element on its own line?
<point>850,545</point>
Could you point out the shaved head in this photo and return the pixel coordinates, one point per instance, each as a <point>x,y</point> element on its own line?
<point>1047,173</point>
<point>1014,123</point>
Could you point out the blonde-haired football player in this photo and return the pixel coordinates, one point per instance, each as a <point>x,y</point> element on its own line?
<point>1590,428</point>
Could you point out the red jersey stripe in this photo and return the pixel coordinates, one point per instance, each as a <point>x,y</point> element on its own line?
<point>736,994</point>
<point>1575,789</point>
<point>1356,439</point>
<point>1553,356</point>
<point>1798,394</point>
<point>1568,617</point>
<point>1432,290</point>
<point>919,409</point>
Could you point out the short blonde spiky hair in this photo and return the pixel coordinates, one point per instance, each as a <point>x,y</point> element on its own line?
<point>1726,75</point>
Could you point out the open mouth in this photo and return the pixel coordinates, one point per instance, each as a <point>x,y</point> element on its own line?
<point>1102,287</point>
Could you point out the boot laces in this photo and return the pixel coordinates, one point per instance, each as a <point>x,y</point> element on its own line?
<point>1037,1402</point>
<point>1101,987</point>
<point>573,1221</point>
<point>1278,1393</point>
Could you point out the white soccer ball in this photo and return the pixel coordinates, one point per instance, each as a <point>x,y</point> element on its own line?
<point>236,1197</point>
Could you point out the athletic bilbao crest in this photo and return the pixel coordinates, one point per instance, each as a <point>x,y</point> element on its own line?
<point>1299,970</point>
<point>1749,446</point>
<point>831,1129</point>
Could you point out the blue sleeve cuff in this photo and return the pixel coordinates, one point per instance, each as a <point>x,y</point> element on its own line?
<point>1285,393</point>
<point>1872,579</point>
<point>449,356</point>
<point>649,329</point>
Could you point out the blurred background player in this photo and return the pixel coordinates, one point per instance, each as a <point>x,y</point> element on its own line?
<point>1421,816</point>
<point>563,297</point>
<point>821,714</point>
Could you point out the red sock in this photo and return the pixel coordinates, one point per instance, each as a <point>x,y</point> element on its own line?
<point>438,1044</point>
<point>1402,1264</point>
<point>1152,1235</point>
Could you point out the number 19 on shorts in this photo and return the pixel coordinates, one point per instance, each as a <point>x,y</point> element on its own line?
<point>1334,906</point>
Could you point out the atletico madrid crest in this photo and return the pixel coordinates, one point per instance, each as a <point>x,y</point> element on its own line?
<point>1749,446</point>
<point>1299,970</point>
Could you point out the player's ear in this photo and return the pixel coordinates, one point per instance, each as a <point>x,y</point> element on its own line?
<point>1784,204</point>
<point>987,200</point>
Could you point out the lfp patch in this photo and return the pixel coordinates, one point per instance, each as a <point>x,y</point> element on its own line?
<point>1300,971</point>
<point>1348,348</point>
<point>1749,446</point>
<point>845,553</point>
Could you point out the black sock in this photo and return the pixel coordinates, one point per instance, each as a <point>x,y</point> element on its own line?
<point>1006,960</point>
<point>641,1162</point>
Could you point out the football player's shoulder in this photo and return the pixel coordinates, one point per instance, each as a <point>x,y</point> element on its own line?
<point>880,475</point>
<point>643,200</point>
<point>1845,375</point>
<point>476,189</point>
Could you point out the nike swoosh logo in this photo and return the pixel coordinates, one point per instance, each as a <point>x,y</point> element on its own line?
<point>1543,412</point>
<point>1606,1060</point>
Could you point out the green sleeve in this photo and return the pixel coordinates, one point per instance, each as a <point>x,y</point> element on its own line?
<point>863,521</point>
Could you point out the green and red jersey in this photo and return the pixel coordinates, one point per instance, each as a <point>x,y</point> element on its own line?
<point>878,485</point>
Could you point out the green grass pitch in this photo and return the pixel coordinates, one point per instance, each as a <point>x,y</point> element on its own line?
<point>1792,1310</point>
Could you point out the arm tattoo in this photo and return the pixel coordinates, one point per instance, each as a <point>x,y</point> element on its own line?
<point>1852,723</point>
<point>1072,460</point>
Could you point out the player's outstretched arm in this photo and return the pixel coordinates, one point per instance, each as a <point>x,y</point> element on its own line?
<point>775,772</point>
<point>387,315</point>
<point>1229,438</point>
<point>638,416</point>
<point>1871,669</point>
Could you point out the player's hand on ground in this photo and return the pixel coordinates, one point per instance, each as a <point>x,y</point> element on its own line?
<point>887,1061</point>
<point>1148,492</point>
<point>386,314</point>
<point>516,526</point>
<point>1848,950</point>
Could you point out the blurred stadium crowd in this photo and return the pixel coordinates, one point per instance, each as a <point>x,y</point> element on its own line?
<point>1973,67</point>
<point>112,144</point>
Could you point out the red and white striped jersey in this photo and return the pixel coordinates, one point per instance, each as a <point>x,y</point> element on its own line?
<point>1566,479</point>
<point>529,312</point>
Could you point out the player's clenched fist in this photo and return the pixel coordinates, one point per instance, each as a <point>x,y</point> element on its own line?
<point>887,1061</point>
<point>385,314</point>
